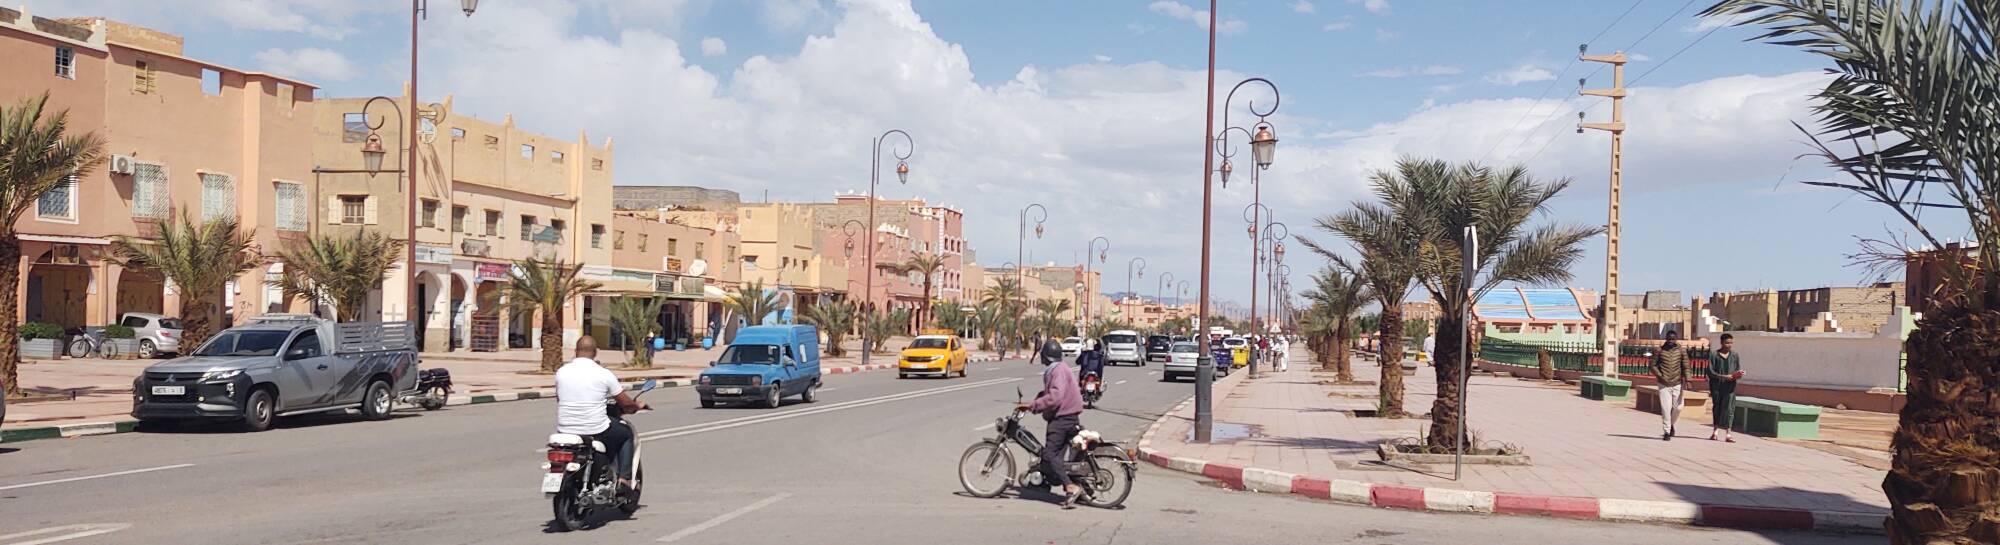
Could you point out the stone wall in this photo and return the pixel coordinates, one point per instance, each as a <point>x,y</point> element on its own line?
<point>1862,309</point>
<point>635,197</point>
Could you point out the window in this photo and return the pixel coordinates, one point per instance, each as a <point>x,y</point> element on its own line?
<point>354,209</point>
<point>353,128</point>
<point>457,133</point>
<point>142,78</point>
<point>698,252</point>
<point>618,240</point>
<point>65,62</point>
<point>560,227</point>
<point>149,190</point>
<point>211,81</point>
<point>458,219</point>
<point>134,321</point>
<point>291,210</point>
<point>218,196</point>
<point>492,223</point>
<point>556,157</point>
<point>492,142</point>
<point>596,235</point>
<point>673,246</point>
<point>307,344</point>
<point>597,164</point>
<point>642,242</point>
<point>527,227</point>
<point>732,255</point>
<point>60,202</point>
<point>429,218</point>
<point>527,151</point>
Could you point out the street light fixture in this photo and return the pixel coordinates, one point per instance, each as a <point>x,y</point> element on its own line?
<point>372,152</point>
<point>1263,148</point>
<point>1083,306</point>
<point>1141,262</point>
<point>850,228</point>
<point>875,178</point>
<point>1264,145</point>
<point>1021,243</point>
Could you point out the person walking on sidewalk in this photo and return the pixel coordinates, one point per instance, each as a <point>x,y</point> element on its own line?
<point>1670,371</point>
<point>1725,367</point>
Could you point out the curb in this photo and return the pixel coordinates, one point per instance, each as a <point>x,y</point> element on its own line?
<point>68,430</point>
<point>1447,500</point>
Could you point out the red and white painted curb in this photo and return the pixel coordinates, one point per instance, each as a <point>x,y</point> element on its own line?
<point>1477,501</point>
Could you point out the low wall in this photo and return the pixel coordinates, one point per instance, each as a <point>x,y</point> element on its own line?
<point>1858,370</point>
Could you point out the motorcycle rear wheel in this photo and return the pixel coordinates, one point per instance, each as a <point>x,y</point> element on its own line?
<point>984,461</point>
<point>570,509</point>
<point>434,398</point>
<point>631,504</point>
<point>1112,481</point>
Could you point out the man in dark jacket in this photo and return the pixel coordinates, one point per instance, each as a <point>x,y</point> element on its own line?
<point>1091,360</point>
<point>1060,403</point>
<point>1670,370</point>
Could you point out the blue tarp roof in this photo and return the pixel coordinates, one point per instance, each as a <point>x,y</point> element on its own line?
<point>1529,304</point>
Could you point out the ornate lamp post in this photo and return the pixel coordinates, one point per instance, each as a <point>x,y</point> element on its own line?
<point>1021,243</point>
<point>1263,148</point>
<point>1089,293</point>
<point>874,178</point>
<point>1141,262</point>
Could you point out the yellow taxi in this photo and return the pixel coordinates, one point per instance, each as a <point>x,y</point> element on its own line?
<point>936,353</point>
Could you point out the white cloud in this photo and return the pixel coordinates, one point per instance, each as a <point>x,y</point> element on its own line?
<point>1377,7</point>
<point>1705,24</point>
<point>1443,89</point>
<point>1343,24</point>
<point>1185,12</point>
<point>713,46</point>
<point>324,19</point>
<point>1412,71</point>
<point>1386,35</point>
<point>1639,57</point>
<point>312,64</point>
<point>1101,58</point>
<point>1520,74</point>
<point>1302,6</point>
<point>790,14</point>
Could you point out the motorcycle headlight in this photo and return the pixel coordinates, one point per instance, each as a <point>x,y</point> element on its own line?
<point>220,375</point>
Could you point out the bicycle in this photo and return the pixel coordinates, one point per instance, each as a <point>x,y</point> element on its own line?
<point>92,343</point>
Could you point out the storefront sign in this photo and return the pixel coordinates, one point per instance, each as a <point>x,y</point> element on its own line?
<point>663,283</point>
<point>595,272</point>
<point>673,264</point>
<point>436,255</point>
<point>475,247</point>
<point>493,271</point>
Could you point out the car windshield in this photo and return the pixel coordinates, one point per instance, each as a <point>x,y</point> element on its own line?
<point>1121,339</point>
<point>244,343</point>
<point>1073,340</point>
<point>1232,342</point>
<point>930,342</point>
<point>170,323</point>
<point>1158,342</point>
<point>755,354</point>
<point>1184,348</point>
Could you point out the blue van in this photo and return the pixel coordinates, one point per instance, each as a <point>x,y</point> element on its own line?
<point>764,364</point>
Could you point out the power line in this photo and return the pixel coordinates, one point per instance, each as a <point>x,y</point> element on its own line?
<point>1635,43</point>
<point>1559,73</point>
<point>1670,58</point>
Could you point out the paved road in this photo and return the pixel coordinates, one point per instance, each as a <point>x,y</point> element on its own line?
<point>874,461</point>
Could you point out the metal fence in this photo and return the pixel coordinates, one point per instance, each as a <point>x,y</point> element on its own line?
<point>1634,359</point>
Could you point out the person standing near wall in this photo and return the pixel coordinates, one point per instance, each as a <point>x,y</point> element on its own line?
<point>1725,367</point>
<point>1670,371</point>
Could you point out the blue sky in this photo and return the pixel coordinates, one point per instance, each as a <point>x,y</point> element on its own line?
<point>1092,108</point>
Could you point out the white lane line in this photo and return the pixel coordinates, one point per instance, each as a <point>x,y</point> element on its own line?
<point>717,426</point>
<point>89,477</point>
<point>828,389</point>
<point>990,369</point>
<point>1117,383</point>
<point>984,427</point>
<point>78,531</point>
<point>725,517</point>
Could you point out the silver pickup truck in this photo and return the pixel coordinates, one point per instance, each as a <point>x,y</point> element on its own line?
<point>281,365</point>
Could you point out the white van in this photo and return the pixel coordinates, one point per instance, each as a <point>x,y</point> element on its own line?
<point>1123,346</point>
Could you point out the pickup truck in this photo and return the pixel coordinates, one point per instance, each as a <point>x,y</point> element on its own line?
<point>764,364</point>
<point>281,365</point>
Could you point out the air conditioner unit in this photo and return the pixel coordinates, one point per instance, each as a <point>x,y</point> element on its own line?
<point>121,164</point>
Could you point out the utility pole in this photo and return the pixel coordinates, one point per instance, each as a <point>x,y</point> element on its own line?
<point>1611,328</point>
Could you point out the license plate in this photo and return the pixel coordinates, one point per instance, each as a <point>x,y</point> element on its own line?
<point>169,390</point>
<point>919,365</point>
<point>729,391</point>
<point>551,483</point>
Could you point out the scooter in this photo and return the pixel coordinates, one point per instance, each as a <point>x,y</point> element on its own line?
<point>433,388</point>
<point>582,478</point>
<point>1093,388</point>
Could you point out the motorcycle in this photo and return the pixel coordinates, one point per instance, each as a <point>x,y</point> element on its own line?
<point>1093,388</point>
<point>1103,469</point>
<point>433,388</point>
<point>582,479</point>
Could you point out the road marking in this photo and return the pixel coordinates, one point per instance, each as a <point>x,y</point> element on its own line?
<point>1117,383</point>
<point>725,517</point>
<point>984,427</point>
<point>760,419</point>
<point>989,369</point>
<point>89,477</point>
<point>78,531</point>
<point>828,389</point>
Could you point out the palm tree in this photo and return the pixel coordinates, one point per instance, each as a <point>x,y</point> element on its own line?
<point>989,320</point>
<point>1498,203</point>
<point>338,270</point>
<point>1320,330</point>
<point>835,319</point>
<point>545,286</point>
<point>883,325</point>
<point>1049,313</point>
<point>1921,75</point>
<point>636,317</point>
<point>1337,296</point>
<point>1010,303</point>
<point>199,260</point>
<point>37,154</point>
<point>1388,246</point>
<point>752,302</point>
<point>926,264</point>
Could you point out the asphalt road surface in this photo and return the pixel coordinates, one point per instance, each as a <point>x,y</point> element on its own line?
<point>873,462</point>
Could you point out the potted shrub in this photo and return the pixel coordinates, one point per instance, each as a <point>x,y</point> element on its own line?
<point>41,340</point>
<point>121,340</point>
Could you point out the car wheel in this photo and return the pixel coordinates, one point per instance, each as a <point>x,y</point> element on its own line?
<point>707,403</point>
<point>775,397</point>
<point>258,411</point>
<point>377,401</point>
<point>148,350</point>
<point>811,394</point>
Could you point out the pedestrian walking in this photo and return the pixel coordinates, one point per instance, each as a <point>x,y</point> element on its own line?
<point>1725,367</point>
<point>1670,371</point>
<point>1284,353</point>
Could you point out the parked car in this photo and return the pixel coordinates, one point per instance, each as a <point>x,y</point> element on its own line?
<point>765,364</point>
<point>936,354</point>
<point>1071,346</point>
<point>254,373</point>
<point>1159,348</point>
<point>157,334</point>
<point>1122,346</point>
<point>1181,363</point>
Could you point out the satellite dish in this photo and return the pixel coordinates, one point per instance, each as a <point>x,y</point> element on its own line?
<point>697,268</point>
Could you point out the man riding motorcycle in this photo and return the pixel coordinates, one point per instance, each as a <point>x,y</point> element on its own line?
<point>582,389</point>
<point>1091,361</point>
<point>1060,403</point>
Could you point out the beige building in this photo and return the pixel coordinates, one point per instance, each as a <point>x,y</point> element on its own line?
<point>657,257</point>
<point>488,194</point>
<point>137,90</point>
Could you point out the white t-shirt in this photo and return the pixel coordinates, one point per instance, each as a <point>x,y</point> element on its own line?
<point>582,387</point>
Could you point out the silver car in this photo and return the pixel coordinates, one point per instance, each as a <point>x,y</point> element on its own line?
<point>1122,346</point>
<point>157,334</point>
<point>270,368</point>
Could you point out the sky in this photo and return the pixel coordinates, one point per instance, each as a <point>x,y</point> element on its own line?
<point>1093,110</point>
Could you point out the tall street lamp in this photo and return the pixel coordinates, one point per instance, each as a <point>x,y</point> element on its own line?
<point>1122,305</point>
<point>1021,244</point>
<point>1089,293</point>
<point>874,178</point>
<point>1160,292</point>
<point>1263,147</point>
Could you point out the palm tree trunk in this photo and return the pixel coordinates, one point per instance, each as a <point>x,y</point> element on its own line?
<point>196,322</point>
<point>10,324</point>
<point>1343,367</point>
<point>1391,362</point>
<point>551,339</point>
<point>1445,361</point>
<point>1943,485</point>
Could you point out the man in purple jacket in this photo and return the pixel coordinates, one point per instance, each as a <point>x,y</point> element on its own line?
<point>1059,403</point>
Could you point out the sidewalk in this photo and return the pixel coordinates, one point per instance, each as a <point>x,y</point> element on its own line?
<point>102,389</point>
<point>1589,459</point>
